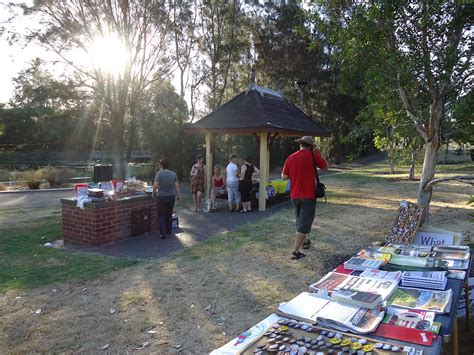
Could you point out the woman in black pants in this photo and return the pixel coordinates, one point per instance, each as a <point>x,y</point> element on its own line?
<point>245,183</point>
<point>166,190</point>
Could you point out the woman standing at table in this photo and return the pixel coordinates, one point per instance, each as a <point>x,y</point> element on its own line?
<point>166,190</point>
<point>198,178</point>
<point>245,184</point>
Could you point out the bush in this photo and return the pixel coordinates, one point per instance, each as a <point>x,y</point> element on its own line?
<point>63,175</point>
<point>142,172</point>
<point>48,173</point>
<point>55,176</point>
<point>32,178</point>
<point>2,187</point>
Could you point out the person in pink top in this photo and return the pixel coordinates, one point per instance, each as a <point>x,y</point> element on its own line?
<point>300,168</point>
<point>218,186</point>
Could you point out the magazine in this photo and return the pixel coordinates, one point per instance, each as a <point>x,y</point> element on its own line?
<point>317,308</point>
<point>425,300</point>
<point>371,254</point>
<point>380,274</point>
<point>356,263</point>
<point>412,318</point>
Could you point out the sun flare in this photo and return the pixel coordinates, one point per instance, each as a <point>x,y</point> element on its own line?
<point>108,54</point>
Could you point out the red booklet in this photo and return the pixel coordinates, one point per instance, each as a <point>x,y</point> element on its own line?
<point>409,335</point>
<point>342,270</point>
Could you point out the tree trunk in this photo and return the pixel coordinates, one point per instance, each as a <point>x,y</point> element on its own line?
<point>392,167</point>
<point>446,151</point>
<point>411,174</point>
<point>428,172</point>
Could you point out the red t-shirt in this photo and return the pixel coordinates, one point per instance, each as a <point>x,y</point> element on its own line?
<point>300,170</point>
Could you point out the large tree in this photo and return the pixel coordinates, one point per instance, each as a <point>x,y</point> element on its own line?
<point>422,51</point>
<point>127,44</point>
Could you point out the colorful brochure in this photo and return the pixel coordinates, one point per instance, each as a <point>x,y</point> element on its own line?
<point>425,300</point>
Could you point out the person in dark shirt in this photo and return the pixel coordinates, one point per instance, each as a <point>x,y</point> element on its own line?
<point>166,191</point>
<point>247,171</point>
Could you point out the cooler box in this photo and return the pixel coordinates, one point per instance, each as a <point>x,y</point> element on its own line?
<point>280,186</point>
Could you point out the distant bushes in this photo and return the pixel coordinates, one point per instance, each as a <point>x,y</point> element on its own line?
<point>34,178</point>
<point>54,176</point>
<point>142,171</point>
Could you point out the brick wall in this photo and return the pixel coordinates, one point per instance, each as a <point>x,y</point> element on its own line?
<point>103,223</point>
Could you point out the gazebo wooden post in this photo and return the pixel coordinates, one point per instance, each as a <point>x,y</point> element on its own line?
<point>209,163</point>
<point>264,159</point>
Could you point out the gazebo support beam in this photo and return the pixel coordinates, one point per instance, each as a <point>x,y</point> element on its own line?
<point>209,163</point>
<point>264,159</point>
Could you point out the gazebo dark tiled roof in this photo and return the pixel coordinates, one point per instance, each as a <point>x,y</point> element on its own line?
<point>259,110</point>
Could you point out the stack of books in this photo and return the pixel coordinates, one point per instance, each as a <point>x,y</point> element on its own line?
<point>435,280</point>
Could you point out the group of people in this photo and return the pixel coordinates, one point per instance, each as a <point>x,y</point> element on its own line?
<point>300,168</point>
<point>237,185</point>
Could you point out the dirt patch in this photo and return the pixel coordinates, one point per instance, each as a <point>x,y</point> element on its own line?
<point>200,298</point>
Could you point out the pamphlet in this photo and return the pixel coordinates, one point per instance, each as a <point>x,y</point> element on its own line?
<point>380,274</point>
<point>412,318</point>
<point>435,280</point>
<point>425,300</point>
<point>371,254</point>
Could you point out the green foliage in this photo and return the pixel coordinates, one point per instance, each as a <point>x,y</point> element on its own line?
<point>162,128</point>
<point>142,172</point>
<point>26,263</point>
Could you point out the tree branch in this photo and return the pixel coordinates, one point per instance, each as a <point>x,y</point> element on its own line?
<point>464,179</point>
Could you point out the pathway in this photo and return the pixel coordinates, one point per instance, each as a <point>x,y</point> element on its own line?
<point>193,228</point>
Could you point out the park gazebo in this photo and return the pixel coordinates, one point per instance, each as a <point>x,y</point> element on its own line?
<point>261,112</point>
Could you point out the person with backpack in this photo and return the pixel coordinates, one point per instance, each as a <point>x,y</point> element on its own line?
<point>301,169</point>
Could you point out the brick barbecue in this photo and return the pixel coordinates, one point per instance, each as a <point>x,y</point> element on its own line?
<point>103,223</point>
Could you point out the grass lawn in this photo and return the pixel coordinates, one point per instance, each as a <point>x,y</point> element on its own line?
<point>26,263</point>
<point>201,297</point>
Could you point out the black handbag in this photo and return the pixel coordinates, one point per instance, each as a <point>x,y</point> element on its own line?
<point>320,187</point>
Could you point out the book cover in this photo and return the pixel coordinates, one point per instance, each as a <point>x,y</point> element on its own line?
<point>409,335</point>
<point>357,298</point>
<point>329,282</point>
<point>415,298</point>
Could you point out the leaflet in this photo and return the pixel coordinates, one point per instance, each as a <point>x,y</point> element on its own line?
<point>425,300</point>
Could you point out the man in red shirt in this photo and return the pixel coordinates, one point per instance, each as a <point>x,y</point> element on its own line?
<point>300,168</point>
